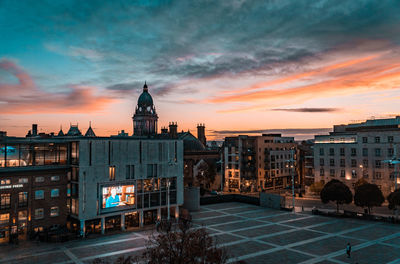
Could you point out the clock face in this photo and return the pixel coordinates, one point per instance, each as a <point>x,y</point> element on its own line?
<point>148,108</point>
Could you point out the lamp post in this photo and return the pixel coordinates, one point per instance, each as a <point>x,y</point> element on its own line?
<point>168,205</point>
<point>291,167</point>
<point>394,161</point>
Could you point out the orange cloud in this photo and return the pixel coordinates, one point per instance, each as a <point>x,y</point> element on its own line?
<point>373,79</point>
<point>24,97</point>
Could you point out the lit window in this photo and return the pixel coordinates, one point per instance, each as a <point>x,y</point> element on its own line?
<point>22,199</point>
<point>22,215</point>
<point>4,218</point>
<point>5,201</point>
<point>55,178</point>
<point>39,194</point>
<point>111,171</point>
<point>39,179</point>
<point>5,181</point>
<point>23,180</point>
<point>39,213</point>
<point>55,192</point>
<point>54,211</point>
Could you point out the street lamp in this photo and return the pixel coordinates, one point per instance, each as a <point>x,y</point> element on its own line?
<point>291,167</point>
<point>168,203</point>
<point>394,161</point>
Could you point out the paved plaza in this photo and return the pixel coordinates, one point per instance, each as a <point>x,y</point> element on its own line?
<point>250,233</point>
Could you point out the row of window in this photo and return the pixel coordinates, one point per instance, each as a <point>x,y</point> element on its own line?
<point>365,164</point>
<point>390,139</point>
<point>39,194</point>
<point>5,200</point>
<point>353,152</point>
<point>130,172</point>
<point>376,174</point>
<point>39,213</point>
<point>5,218</point>
<point>25,180</point>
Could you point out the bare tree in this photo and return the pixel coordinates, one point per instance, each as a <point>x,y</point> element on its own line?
<point>184,244</point>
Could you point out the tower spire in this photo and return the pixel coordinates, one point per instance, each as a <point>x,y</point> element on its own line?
<point>145,89</point>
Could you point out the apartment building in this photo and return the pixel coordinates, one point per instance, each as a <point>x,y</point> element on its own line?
<point>255,163</point>
<point>359,150</point>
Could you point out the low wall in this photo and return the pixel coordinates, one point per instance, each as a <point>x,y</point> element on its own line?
<point>271,200</point>
<point>191,199</point>
<point>225,198</point>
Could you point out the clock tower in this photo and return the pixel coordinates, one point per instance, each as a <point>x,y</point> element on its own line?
<point>145,116</point>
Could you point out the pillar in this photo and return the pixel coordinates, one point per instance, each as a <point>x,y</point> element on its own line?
<point>177,212</point>
<point>82,230</point>
<point>123,222</point>
<point>141,220</point>
<point>103,225</point>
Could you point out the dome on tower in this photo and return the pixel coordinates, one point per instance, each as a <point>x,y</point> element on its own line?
<point>145,98</point>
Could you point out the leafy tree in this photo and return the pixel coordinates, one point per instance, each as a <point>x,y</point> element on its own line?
<point>360,182</point>
<point>368,195</point>
<point>317,187</point>
<point>394,199</point>
<point>336,191</point>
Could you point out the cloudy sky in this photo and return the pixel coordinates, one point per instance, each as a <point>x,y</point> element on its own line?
<point>238,66</point>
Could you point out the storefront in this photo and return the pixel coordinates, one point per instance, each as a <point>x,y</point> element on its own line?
<point>150,217</point>
<point>132,219</point>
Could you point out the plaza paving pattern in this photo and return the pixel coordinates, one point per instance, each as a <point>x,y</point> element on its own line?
<point>250,233</point>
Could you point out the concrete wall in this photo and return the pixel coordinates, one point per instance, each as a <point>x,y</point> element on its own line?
<point>192,199</point>
<point>272,200</point>
<point>229,198</point>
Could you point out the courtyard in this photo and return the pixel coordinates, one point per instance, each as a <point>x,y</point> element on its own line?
<point>250,233</point>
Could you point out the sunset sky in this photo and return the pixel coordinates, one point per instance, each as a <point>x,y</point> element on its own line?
<point>238,66</point>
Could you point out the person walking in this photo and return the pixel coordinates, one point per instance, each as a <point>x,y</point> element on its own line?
<point>348,250</point>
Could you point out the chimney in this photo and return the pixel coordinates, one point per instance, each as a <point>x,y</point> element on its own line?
<point>201,135</point>
<point>173,129</point>
<point>34,130</point>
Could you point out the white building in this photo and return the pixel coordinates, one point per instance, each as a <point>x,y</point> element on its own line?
<point>357,151</point>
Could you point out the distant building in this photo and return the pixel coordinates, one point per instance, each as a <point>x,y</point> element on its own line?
<point>255,163</point>
<point>145,117</point>
<point>359,150</point>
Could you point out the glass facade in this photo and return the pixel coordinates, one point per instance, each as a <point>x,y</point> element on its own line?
<point>34,154</point>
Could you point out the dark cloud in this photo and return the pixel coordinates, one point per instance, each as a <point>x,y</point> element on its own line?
<point>171,40</point>
<point>297,133</point>
<point>283,130</point>
<point>308,110</point>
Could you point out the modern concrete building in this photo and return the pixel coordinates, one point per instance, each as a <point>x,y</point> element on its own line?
<point>126,182</point>
<point>89,183</point>
<point>255,163</point>
<point>357,151</point>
